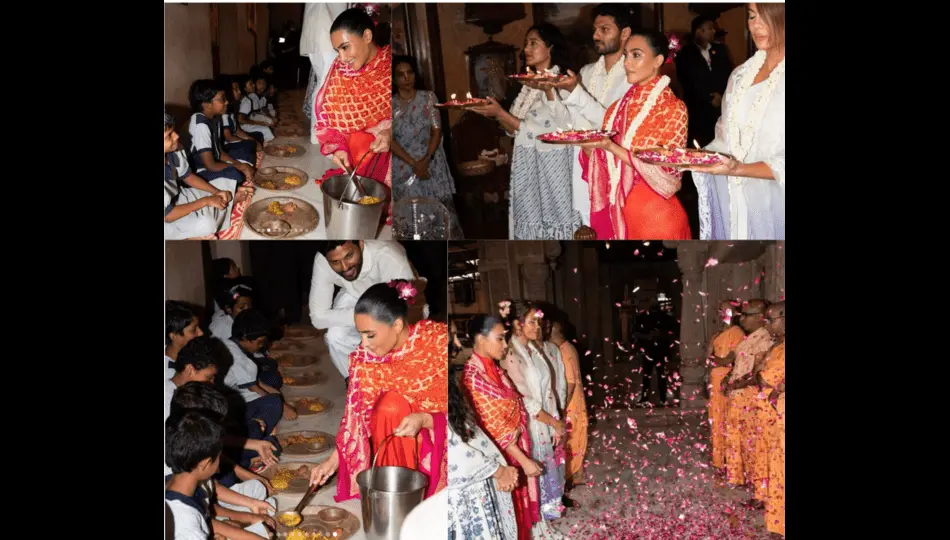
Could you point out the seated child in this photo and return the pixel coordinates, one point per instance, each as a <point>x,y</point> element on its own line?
<point>248,117</point>
<point>264,404</point>
<point>237,141</point>
<point>193,206</point>
<point>181,326</point>
<point>271,95</point>
<point>233,300</point>
<point>179,393</point>
<point>260,94</point>
<point>208,155</point>
<point>246,502</point>
<point>192,449</point>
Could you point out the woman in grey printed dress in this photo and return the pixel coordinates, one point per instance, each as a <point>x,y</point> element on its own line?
<point>541,196</point>
<point>417,143</point>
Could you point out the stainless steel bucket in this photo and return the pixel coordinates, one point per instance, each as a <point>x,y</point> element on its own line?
<point>387,495</point>
<point>347,220</point>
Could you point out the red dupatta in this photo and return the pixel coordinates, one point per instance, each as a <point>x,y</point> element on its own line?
<point>418,371</point>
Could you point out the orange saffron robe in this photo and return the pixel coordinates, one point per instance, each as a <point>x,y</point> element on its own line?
<point>723,344</point>
<point>576,413</point>
<point>742,412</point>
<point>773,374</point>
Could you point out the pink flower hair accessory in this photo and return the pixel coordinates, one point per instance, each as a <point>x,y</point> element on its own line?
<point>406,291</point>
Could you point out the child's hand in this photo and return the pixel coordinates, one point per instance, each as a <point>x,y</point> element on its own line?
<point>267,484</point>
<point>251,519</point>
<point>262,507</point>
<point>225,196</point>
<point>214,201</point>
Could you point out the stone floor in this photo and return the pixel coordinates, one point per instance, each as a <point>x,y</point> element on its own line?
<point>314,164</point>
<point>650,477</point>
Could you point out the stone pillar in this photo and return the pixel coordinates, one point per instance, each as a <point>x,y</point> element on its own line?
<point>775,272</point>
<point>495,269</point>
<point>691,258</point>
<point>533,270</point>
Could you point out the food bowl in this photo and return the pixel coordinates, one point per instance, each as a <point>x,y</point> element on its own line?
<point>332,515</point>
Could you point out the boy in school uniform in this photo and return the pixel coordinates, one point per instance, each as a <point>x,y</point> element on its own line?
<point>193,449</point>
<point>246,503</point>
<point>271,95</point>
<point>264,404</point>
<point>264,104</point>
<point>194,207</point>
<point>237,142</point>
<point>181,326</point>
<point>259,100</point>
<point>197,363</point>
<point>208,156</point>
<point>247,117</point>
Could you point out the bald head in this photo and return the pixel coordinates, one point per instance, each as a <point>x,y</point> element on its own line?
<point>728,311</point>
<point>753,314</point>
<point>776,317</point>
<point>776,311</point>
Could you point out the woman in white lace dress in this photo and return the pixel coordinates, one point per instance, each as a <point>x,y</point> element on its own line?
<point>540,191</point>
<point>744,197</point>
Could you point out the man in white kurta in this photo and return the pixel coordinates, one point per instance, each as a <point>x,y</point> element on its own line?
<point>600,84</point>
<point>354,267</point>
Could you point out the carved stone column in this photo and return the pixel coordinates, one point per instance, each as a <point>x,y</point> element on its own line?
<point>691,258</point>
<point>496,270</point>
<point>533,269</point>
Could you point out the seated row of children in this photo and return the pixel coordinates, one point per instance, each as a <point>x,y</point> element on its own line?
<point>196,365</point>
<point>226,135</point>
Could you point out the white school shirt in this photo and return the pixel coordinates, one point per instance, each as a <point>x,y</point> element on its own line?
<point>202,139</point>
<point>191,515</point>
<point>172,186</point>
<point>169,371</point>
<point>246,106</point>
<point>587,112</point>
<point>220,326</point>
<point>243,372</point>
<point>169,393</point>
<point>255,101</point>
<point>383,261</point>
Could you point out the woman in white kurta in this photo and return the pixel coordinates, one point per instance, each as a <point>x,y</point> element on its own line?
<point>541,192</point>
<point>744,197</point>
<point>532,375</point>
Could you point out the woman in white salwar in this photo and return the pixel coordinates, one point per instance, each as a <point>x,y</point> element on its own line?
<point>743,198</point>
<point>480,480</point>
<point>533,373</point>
<point>541,193</point>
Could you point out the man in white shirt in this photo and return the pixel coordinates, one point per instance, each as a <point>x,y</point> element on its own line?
<point>354,267</point>
<point>599,85</point>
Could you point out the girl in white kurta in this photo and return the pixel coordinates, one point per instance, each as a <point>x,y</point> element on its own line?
<point>532,375</point>
<point>744,198</point>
